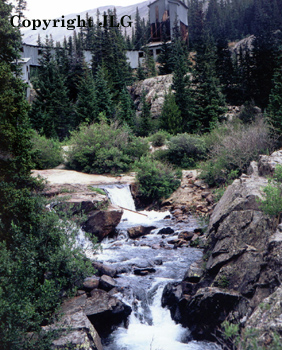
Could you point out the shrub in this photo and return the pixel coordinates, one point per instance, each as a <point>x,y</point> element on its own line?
<point>232,154</point>
<point>46,153</point>
<point>159,138</point>
<point>272,202</point>
<point>155,180</point>
<point>103,148</point>
<point>185,150</point>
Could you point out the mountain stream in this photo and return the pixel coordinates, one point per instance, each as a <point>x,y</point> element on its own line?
<point>150,326</point>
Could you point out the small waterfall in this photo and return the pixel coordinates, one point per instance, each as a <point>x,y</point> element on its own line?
<point>120,195</point>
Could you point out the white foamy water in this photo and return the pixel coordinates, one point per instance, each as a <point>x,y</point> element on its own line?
<point>150,326</point>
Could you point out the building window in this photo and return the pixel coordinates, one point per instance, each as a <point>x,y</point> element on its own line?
<point>140,54</point>
<point>39,52</point>
<point>158,51</point>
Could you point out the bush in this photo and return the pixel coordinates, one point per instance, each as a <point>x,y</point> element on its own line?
<point>45,153</point>
<point>103,148</point>
<point>185,150</point>
<point>155,180</point>
<point>272,202</point>
<point>159,138</point>
<point>232,154</point>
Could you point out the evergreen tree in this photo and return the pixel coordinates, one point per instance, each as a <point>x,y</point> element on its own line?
<point>275,102</point>
<point>125,108</point>
<point>164,58</point>
<point>171,116</point>
<point>104,102</point>
<point>209,101</point>
<point>86,107</point>
<point>182,84</point>
<point>145,118</point>
<point>51,112</point>
<point>32,240</point>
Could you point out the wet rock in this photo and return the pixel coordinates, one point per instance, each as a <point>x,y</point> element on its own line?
<point>78,333</point>
<point>105,311</point>
<point>102,223</point>
<point>166,231</point>
<point>207,309</point>
<point>186,235</point>
<point>171,297</point>
<point>90,283</point>
<point>104,269</point>
<point>158,262</point>
<point>195,272</point>
<point>144,271</point>
<point>138,231</point>
<point>107,283</point>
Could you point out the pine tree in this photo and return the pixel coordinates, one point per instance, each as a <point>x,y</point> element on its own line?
<point>125,108</point>
<point>164,58</point>
<point>104,102</point>
<point>274,109</point>
<point>51,112</point>
<point>145,127</point>
<point>182,84</point>
<point>86,107</point>
<point>171,116</point>
<point>209,101</point>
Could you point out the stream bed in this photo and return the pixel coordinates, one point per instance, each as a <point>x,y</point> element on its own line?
<point>145,265</point>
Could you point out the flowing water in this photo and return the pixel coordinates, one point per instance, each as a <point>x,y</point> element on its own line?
<point>150,326</point>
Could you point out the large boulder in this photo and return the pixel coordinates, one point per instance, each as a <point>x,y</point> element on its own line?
<point>77,332</point>
<point>102,223</point>
<point>104,311</point>
<point>267,317</point>
<point>243,260</point>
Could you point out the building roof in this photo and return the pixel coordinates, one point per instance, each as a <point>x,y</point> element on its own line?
<point>175,1</point>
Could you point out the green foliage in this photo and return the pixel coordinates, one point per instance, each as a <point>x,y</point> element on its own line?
<point>275,102</point>
<point>97,190</point>
<point>155,180</point>
<point>145,126</point>
<point>170,119</point>
<point>103,148</point>
<point>159,138</point>
<point>246,339</point>
<point>45,153</point>
<point>40,263</point>
<point>231,154</point>
<point>185,150</point>
<point>271,204</point>
<point>248,112</point>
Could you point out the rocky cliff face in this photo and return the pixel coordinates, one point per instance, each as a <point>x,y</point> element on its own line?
<point>155,89</point>
<point>242,264</point>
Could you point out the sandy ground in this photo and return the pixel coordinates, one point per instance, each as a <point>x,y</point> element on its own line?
<point>62,176</point>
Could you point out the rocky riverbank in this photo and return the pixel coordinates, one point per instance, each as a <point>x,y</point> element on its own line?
<point>238,279</point>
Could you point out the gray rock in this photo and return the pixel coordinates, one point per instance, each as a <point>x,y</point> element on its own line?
<point>107,283</point>
<point>102,223</point>
<point>104,269</point>
<point>138,231</point>
<point>267,317</point>
<point>195,272</point>
<point>78,333</point>
<point>267,164</point>
<point>91,283</point>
